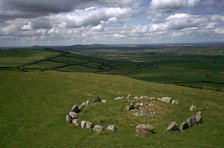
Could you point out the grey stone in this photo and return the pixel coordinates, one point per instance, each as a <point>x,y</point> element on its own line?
<point>191,121</point>
<point>136,98</point>
<point>184,126</point>
<point>144,129</point>
<point>193,108</point>
<point>75,122</point>
<point>129,96</point>
<point>75,109</point>
<point>104,101</point>
<point>95,100</point>
<point>89,125</point>
<point>73,115</point>
<point>111,128</point>
<point>175,102</point>
<point>137,106</point>
<point>87,102</point>
<point>98,128</point>
<point>83,124</point>
<point>130,107</point>
<point>173,126</point>
<point>119,98</point>
<point>68,119</point>
<point>144,97</point>
<point>198,116</point>
<point>166,99</point>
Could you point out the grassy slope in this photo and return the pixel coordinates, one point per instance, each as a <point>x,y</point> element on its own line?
<point>33,106</point>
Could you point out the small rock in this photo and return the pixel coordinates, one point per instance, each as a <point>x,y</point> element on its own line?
<point>89,125</point>
<point>198,116</point>
<point>75,122</point>
<point>173,126</point>
<point>175,102</point>
<point>129,96</point>
<point>158,99</point>
<point>104,101</point>
<point>166,99</point>
<point>75,109</point>
<point>130,107</point>
<point>183,126</point>
<point>87,102</point>
<point>83,124</point>
<point>137,106</point>
<point>119,98</point>
<point>152,98</point>
<point>111,128</point>
<point>144,129</point>
<point>95,100</point>
<point>98,128</point>
<point>144,97</point>
<point>136,98</point>
<point>193,108</point>
<point>191,121</point>
<point>73,115</point>
<point>68,119</point>
<point>141,104</point>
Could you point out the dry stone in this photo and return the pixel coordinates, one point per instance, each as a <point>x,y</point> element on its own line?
<point>98,128</point>
<point>95,100</point>
<point>104,101</point>
<point>175,102</point>
<point>191,121</point>
<point>75,109</point>
<point>119,98</point>
<point>83,124</point>
<point>144,97</point>
<point>73,115</point>
<point>144,129</point>
<point>111,128</point>
<point>89,125</point>
<point>193,108</point>
<point>68,119</point>
<point>75,122</point>
<point>173,126</point>
<point>184,126</point>
<point>130,107</point>
<point>166,99</point>
<point>198,116</point>
<point>129,96</point>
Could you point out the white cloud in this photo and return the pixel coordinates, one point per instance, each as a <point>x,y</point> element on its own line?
<point>170,5</point>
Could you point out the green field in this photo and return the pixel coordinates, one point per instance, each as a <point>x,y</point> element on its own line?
<point>39,87</point>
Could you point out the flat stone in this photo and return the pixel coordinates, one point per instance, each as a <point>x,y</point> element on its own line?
<point>166,99</point>
<point>119,98</point>
<point>173,126</point>
<point>98,128</point>
<point>83,124</point>
<point>111,128</point>
<point>89,125</point>
<point>144,129</point>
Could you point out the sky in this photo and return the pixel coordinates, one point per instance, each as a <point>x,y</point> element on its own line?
<point>69,22</point>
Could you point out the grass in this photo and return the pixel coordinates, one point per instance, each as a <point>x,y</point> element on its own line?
<point>33,106</point>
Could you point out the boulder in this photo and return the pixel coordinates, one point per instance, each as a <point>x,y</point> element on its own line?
<point>144,129</point>
<point>129,96</point>
<point>198,116</point>
<point>119,98</point>
<point>83,124</point>
<point>111,128</point>
<point>89,125</point>
<point>68,119</point>
<point>193,108</point>
<point>95,100</point>
<point>75,109</point>
<point>98,128</point>
<point>175,102</point>
<point>191,121</point>
<point>184,126</point>
<point>130,107</point>
<point>75,122</point>
<point>166,99</point>
<point>173,126</point>
<point>73,115</point>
